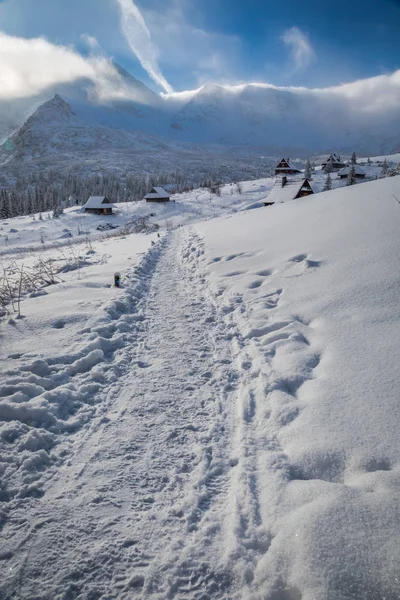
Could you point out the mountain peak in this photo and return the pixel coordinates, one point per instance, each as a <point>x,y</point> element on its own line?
<point>56,110</point>
<point>57,104</point>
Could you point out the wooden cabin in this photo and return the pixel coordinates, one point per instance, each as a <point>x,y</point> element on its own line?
<point>285,190</point>
<point>99,205</point>
<point>284,166</point>
<point>335,162</point>
<point>157,194</point>
<point>358,172</point>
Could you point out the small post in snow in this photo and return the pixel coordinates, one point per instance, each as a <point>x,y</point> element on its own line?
<point>117,279</point>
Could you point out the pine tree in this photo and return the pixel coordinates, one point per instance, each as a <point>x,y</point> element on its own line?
<point>351,178</point>
<point>353,158</point>
<point>385,168</point>
<point>328,183</point>
<point>328,167</point>
<point>307,170</point>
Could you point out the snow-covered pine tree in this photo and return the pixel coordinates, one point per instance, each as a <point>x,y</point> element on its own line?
<point>308,170</point>
<point>328,167</point>
<point>5,209</point>
<point>351,177</point>
<point>385,168</point>
<point>328,183</point>
<point>353,159</point>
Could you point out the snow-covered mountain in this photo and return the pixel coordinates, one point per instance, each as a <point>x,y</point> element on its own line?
<point>262,114</point>
<point>57,137</point>
<point>274,120</point>
<point>55,127</point>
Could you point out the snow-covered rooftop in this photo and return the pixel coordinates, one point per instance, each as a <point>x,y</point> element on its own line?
<point>357,169</point>
<point>288,192</point>
<point>157,192</point>
<point>98,202</point>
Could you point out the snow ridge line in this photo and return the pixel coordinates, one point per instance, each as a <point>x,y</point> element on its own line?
<point>43,399</point>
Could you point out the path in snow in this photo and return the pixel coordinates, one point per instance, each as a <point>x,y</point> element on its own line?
<point>161,498</point>
<point>122,515</point>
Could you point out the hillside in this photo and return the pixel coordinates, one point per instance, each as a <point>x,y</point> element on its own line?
<point>225,424</point>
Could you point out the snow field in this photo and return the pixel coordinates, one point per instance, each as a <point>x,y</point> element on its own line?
<point>59,358</point>
<point>225,426</point>
<point>149,478</point>
<point>310,292</point>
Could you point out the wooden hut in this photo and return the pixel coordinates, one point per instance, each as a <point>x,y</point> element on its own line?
<point>99,205</point>
<point>157,194</point>
<point>358,172</point>
<point>335,162</point>
<point>284,167</point>
<point>285,190</point>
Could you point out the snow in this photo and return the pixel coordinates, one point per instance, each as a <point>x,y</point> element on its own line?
<point>222,426</point>
<point>357,170</point>
<point>286,193</point>
<point>98,202</point>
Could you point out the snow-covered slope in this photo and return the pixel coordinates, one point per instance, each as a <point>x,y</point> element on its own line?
<point>224,425</point>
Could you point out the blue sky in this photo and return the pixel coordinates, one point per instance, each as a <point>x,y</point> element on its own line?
<point>180,44</point>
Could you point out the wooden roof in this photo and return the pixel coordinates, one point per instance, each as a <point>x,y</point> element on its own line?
<point>285,164</point>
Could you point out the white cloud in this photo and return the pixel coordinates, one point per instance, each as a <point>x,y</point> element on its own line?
<point>91,42</point>
<point>29,67</point>
<point>300,48</point>
<point>139,39</point>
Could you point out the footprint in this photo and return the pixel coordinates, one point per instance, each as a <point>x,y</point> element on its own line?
<point>309,264</point>
<point>59,324</point>
<point>264,273</point>
<point>298,258</point>
<point>286,594</point>
<point>234,273</point>
<point>143,365</point>
<point>312,264</point>
<point>254,284</point>
<point>233,256</point>
<point>370,465</point>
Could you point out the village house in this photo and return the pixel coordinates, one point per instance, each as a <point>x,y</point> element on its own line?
<point>99,205</point>
<point>284,167</point>
<point>335,162</point>
<point>358,172</point>
<point>285,190</point>
<point>157,194</point>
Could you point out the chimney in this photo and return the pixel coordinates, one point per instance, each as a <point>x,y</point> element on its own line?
<point>284,180</point>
